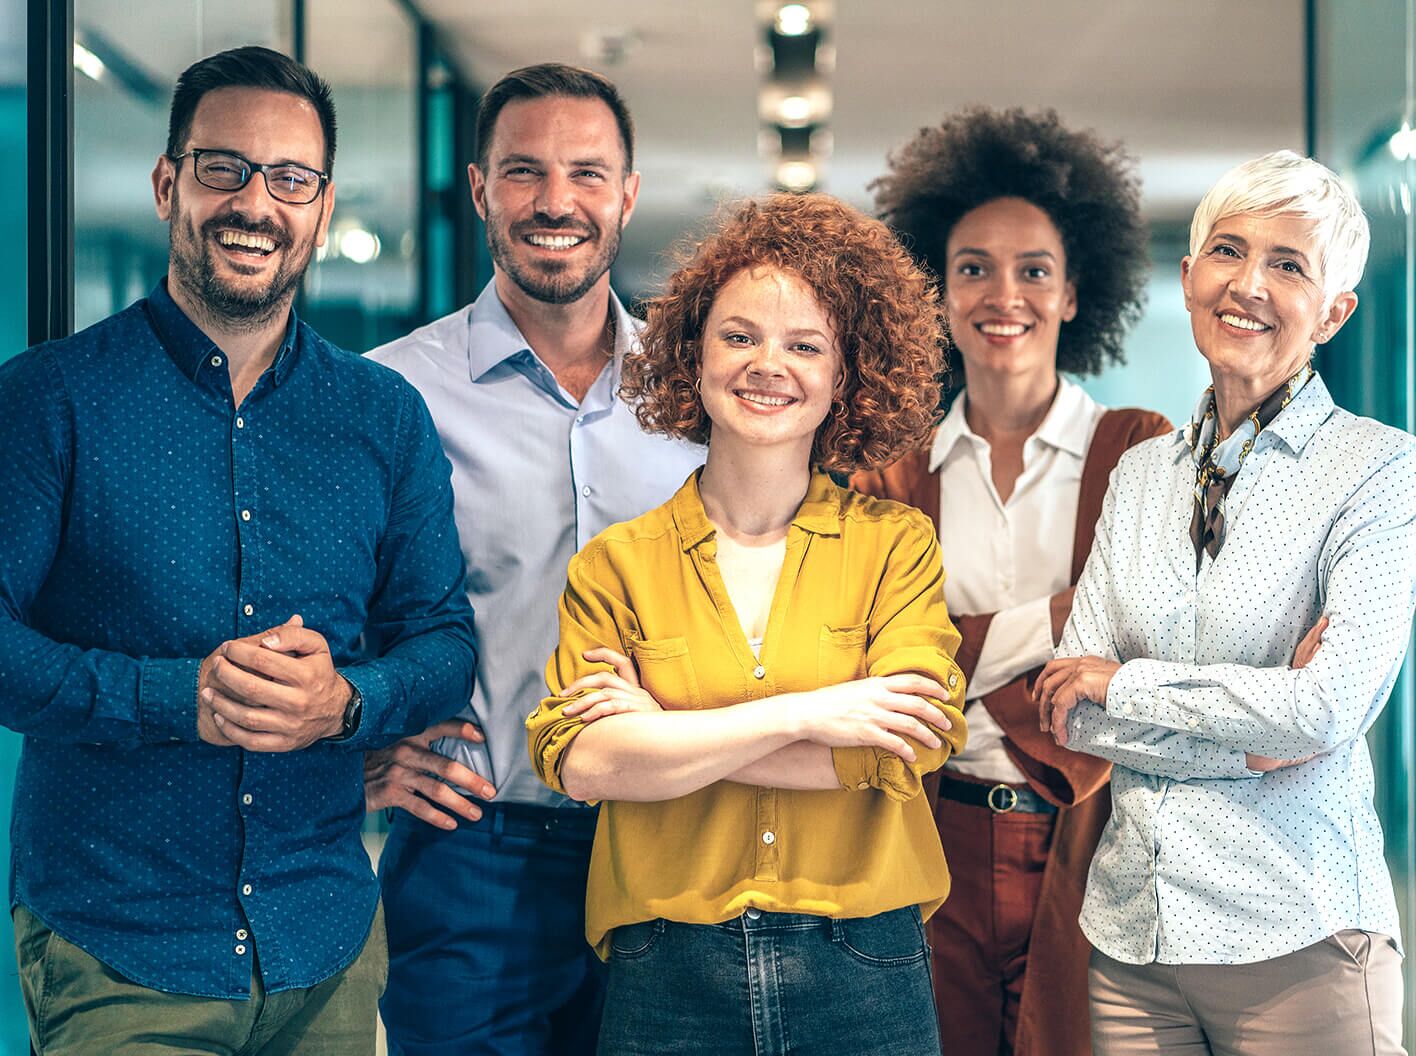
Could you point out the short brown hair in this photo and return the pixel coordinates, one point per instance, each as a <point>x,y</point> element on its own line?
<point>885,310</point>
<point>551,79</point>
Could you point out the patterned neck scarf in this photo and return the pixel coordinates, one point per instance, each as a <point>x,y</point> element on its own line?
<point>1217,462</point>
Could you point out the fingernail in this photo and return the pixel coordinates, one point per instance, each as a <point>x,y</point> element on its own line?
<point>219,720</point>
<point>206,694</point>
<point>271,640</point>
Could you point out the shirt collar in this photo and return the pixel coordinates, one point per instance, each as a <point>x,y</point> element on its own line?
<point>191,348</point>
<point>493,338</point>
<point>1066,426</point>
<point>819,512</point>
<point>1296,423</point>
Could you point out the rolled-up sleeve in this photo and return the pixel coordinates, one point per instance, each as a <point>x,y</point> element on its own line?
<point>909,632</point>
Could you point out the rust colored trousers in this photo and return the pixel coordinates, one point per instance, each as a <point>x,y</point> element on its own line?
<point>980,935</point>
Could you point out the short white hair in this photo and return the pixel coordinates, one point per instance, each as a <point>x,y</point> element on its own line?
<point>1286,184</point>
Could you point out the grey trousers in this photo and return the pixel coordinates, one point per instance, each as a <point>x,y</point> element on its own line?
<point>1337,997</point>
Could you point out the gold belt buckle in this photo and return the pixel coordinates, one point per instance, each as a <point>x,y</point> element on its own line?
<point>1007,802</point>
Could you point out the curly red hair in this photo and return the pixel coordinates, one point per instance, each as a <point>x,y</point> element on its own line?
<point>884,308</point>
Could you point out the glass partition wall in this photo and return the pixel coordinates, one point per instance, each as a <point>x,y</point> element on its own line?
<point>1363,94</point>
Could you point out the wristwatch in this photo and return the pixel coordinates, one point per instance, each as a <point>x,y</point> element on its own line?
<point>353,712</point>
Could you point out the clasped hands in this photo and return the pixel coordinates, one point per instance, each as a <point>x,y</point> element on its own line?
<point>276,691</point>
<point>1068,681</point>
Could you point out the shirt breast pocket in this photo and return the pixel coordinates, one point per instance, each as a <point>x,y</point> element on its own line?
<point>841,654</point>
<point>666,672</point>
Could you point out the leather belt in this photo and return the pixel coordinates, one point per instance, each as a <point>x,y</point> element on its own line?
<point>1000,798</point>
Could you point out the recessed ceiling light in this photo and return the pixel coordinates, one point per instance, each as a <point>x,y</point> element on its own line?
<point>793,20</point>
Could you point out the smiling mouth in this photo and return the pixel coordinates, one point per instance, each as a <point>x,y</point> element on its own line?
<point>764,399</point>
<point>246,243</point>
<point>555,241</point>
<point>1239,322</point>
<point>1002,329</point>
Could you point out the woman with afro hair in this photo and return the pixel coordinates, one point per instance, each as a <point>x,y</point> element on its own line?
<point>1035,234</point>
<point>757,676</point>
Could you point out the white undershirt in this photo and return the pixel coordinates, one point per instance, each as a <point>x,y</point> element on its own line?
<point>1010,558</point>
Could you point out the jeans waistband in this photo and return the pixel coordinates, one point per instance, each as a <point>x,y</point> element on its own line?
<point>753,919</point>
<point>526,819</point>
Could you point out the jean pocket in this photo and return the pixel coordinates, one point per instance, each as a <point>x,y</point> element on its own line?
<point>886,940</point>
<point>629,941</point>
<point>1355,943</point>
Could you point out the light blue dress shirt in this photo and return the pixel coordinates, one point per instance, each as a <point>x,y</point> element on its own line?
<point>1205,861</point>
<point>535,476</point>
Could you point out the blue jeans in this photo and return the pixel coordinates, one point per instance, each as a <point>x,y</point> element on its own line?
<point>486,936</point>
<point>771,984</point>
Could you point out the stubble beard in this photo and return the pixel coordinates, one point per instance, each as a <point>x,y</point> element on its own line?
<point>235,308</point>
<point>557,283</point>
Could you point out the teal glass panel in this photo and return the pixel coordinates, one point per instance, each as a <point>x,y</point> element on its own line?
<point>1363,91</point>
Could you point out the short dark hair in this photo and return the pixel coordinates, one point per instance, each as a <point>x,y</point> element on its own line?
<point>551,79</point>
<point>248,67</point>
<point>1086,186</point>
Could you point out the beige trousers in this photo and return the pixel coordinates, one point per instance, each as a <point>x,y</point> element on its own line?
<point>1337,997</point>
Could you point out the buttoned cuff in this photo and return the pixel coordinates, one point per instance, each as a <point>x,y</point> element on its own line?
<point>862,768</point>
<point>1131,693</point>
<point>167,700</point>
<point>373,687</point>
<point>1019,639</point>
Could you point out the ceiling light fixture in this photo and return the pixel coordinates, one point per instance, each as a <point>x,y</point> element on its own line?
<point>793,20</point>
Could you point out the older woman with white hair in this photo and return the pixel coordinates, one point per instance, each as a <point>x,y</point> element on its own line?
<point>1239,625</point>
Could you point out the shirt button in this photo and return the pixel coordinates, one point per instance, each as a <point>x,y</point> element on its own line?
<point>580,419</point>
<point>953,680</point>
<point>216,361</point>
<point>248,610</point>
<point>759,672</point>
<point>240,950</point>
<point>245,889</point>
<point>769,837</point>
<point>863,785</point>
<point>587,491</point>
<point>240,423</point>
<point>245,515</point>
<point>246,799</point>
<point>241,934</point>
<point>1125,709</point>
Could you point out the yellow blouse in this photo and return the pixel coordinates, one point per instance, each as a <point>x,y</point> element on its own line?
<point>861,593</point>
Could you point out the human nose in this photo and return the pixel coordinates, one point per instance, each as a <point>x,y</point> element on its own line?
<point>254,198</point>
<point>1249,280</point>
<point>554,197</point>
<point>766,359</point>
<point>1001,291</point>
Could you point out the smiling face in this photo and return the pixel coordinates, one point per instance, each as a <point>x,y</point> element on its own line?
<point>241,254</point>
<point>1255,297</point>
<point>555,195</point>
<point>770,361</point>
<point>1006,288</point>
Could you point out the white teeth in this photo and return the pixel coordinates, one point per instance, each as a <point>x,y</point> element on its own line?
<point>765,401</point>
<point>1003,329</point>
<point>240,238</point>
<point>555,241</point>
<point>1242,323</point>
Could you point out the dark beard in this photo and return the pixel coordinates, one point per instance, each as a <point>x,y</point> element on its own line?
<point>559,286</point>
<point>193,265</point>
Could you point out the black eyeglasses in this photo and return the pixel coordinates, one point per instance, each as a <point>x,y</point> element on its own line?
<point>223,171</point>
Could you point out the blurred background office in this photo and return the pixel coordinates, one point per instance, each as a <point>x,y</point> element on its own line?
<point>731,97</point>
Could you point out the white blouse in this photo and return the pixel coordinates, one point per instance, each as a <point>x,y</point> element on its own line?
<point>1009,558</point>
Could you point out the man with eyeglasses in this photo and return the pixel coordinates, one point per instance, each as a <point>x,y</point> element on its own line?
<point>229,568</point>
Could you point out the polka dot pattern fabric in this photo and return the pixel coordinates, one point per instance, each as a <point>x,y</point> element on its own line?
<point>145,520</point>
<point>1205,861</point>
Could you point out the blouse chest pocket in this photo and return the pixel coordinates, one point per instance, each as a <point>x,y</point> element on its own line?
<point>666,672</point>
<point>841,654</point>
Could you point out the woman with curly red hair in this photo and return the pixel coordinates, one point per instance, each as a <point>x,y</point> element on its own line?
<point>756,676</point>
<point>1036,233</point>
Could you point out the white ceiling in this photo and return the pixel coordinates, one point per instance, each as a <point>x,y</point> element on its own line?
<point>1192,87</point>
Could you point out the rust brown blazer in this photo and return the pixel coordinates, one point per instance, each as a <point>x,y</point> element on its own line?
<point>1054,1018</point>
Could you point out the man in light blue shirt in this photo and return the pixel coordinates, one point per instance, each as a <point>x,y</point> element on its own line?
<point>1239,900</point>
<point>485,900</point>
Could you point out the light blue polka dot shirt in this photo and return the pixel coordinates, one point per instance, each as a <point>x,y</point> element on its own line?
<point>145,520</point>
<point>1205,861</point>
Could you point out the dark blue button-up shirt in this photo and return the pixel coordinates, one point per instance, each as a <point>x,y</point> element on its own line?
<point>144,519</point>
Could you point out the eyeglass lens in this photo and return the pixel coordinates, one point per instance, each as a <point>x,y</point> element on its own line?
<point>228,172</point>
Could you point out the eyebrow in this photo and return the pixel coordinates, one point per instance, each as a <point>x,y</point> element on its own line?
<point>752,324</point>
<point>243,157</point>
<point>575,163</point>
<point>1032,254</point>
<point>1287,251</point>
